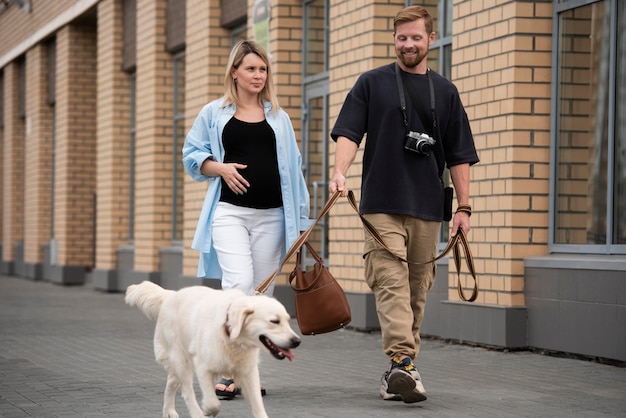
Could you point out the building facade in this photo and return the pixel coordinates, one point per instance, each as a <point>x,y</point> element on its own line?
<point>96,97</point>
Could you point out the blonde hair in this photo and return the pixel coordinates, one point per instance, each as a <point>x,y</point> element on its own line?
<point>239,51</point>
<point>411,14</point>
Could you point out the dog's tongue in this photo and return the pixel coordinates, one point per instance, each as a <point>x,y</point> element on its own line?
<point>287,353</point>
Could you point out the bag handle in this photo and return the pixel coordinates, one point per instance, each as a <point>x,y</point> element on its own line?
<point>298,243</point>
<point>453,244</point>
<point>292,275</point>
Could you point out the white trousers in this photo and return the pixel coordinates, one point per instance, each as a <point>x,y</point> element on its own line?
<point>248,243</point>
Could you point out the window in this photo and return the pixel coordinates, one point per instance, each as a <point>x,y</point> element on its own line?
<point>129,34</point>
<point>589,160</point>
<point>315,93</point>
<point>175,45</point>
<point>316,37</point>
<point>178,137</point>
<point>129,65</point>
<point>21,86</point>
<point>51,52</point>
<point>131,165</point>
<point>237,34</point>
<point>51,101</point>
<point>175,25</point>
<point>1,98</point>
<point>440,53</point>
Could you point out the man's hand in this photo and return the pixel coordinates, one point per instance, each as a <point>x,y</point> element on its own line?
<point>460,220</point>
<point>338,183</point>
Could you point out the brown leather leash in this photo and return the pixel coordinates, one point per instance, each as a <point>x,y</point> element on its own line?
<point>459,240</point>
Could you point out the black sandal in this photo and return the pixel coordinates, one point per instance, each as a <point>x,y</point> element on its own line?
<point>229,394</point>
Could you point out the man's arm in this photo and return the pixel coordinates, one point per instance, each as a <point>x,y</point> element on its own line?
<point>460,175</point>
<point>345,152</point>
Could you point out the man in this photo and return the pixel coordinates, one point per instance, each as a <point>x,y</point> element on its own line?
<point>402,192</point>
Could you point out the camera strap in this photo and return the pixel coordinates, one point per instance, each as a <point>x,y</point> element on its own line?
<point>400,85</point>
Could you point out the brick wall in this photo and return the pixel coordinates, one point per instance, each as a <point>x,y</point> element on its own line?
<point>153,182</point>
<point>206,55</point>
<point>113,133</point>
<point>501,64</point>
<point>75,165</point>
<point>22,23</point>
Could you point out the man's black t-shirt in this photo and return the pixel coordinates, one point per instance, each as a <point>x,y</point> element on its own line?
<point>395,180</point>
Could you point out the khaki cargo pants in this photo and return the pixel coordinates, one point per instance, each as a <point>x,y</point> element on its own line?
<point>400,289</point>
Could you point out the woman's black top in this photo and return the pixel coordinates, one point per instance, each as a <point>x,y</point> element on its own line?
<point>253,144</point>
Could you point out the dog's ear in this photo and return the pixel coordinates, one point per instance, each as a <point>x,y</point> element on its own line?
<point>237,315</point>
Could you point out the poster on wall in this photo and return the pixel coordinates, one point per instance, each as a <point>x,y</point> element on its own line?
<point>261,23</point>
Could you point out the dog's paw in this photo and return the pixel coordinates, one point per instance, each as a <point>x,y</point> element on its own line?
<point>170,414</point>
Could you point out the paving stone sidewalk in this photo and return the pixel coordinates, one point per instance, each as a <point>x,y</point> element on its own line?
<point>81,353</point>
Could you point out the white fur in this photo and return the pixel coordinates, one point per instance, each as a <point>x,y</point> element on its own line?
<point>214,333</point>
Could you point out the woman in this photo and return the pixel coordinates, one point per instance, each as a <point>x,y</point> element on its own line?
<point>257,202</point>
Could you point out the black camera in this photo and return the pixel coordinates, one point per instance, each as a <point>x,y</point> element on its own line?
<point>418,142</point>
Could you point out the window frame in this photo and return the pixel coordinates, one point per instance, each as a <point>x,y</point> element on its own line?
<point>560,7</point>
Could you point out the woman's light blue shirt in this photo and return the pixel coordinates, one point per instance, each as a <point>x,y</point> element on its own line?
<point>204,140</point>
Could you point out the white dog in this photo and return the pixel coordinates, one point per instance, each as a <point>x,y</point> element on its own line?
<point>214,333</point>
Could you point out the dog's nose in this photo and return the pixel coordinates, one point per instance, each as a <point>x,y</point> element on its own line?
<point>295,341</point>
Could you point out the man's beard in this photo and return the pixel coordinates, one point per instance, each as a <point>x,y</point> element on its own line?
<point>412,62</point>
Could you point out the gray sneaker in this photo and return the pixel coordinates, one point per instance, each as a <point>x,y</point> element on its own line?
<point>403,379</point>
<point>383,390</point>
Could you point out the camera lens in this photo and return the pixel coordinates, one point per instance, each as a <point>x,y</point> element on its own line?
<point>424,147</point>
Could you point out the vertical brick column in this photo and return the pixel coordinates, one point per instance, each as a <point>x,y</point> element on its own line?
<point>206,56</point>
<point>153,172</point>
<point>37,172</point>
<point>113,146</point>
<point>501,65</point>
<point>12,170</point>
<point>75,152</point>
<point>286,53</point>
